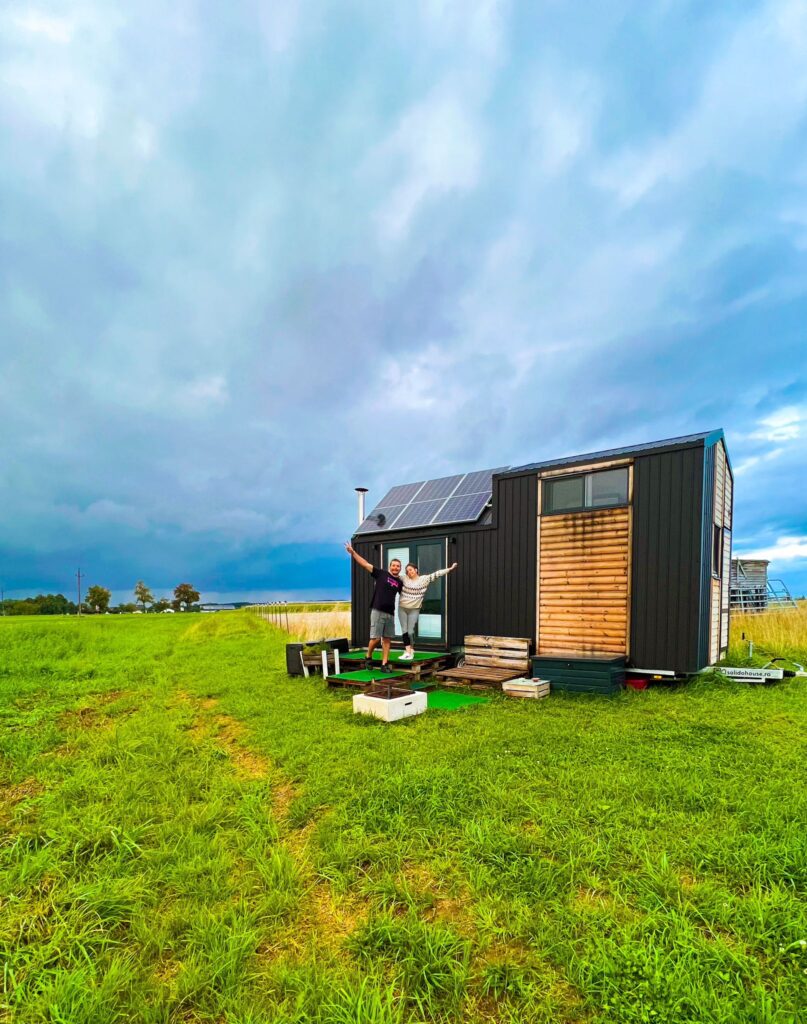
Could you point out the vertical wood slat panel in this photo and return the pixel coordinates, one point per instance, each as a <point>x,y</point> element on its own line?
<point>716,590</point>
<point>729,520</point>
<point>720,483</point>
<point>724,592</point>
<point>714,623</point>
<point>725,573</point>
<point>728,508</point>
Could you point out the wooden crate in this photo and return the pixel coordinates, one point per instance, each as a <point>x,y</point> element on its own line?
<point>531,688</point>
<point>507,652</point>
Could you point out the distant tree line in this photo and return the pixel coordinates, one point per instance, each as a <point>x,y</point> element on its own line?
<point>42,604</point>
<point>97,602</point>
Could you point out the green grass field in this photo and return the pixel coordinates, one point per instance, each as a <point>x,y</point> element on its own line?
<point>189,835</point>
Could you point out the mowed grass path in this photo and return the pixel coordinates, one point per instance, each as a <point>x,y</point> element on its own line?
<point>189,835</point>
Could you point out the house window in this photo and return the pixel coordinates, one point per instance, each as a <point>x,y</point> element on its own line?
<point>717,550</point>
<point>607,488</point>
<point>564,494</point>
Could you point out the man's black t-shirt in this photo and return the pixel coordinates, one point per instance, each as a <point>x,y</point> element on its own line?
<point>386,587</point>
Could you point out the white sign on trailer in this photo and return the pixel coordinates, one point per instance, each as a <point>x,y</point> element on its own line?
<point>755,675</point>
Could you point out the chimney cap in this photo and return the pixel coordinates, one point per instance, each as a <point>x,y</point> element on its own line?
<point>361,490</point>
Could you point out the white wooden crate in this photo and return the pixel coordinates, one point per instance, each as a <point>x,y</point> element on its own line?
<point>534,688</point>
<point>393,709</point>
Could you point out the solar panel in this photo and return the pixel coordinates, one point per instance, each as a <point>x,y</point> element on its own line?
<point>400,495</point>
<point>439,488</point>
<point>372,525</point>
<point>419,513</point>
<point>463,507</point>
<point>474,483</point>
<point>449,499</point>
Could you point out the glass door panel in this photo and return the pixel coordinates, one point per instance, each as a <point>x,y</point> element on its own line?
<point>401,553</point>
<point>430,556</point>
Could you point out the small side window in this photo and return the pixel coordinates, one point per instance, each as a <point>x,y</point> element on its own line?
<point>717,550</point>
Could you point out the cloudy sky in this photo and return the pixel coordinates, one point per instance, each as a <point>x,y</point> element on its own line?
<point>253,254</point>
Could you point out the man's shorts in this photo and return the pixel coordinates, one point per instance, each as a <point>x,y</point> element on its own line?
<point>381,624</point>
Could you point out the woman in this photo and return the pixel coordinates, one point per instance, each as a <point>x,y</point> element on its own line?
<point>411,600</point>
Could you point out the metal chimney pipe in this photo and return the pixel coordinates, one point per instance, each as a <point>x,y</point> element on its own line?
<point>361,491</point>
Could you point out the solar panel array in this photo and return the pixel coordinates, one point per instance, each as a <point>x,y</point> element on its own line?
<point>449,499</point>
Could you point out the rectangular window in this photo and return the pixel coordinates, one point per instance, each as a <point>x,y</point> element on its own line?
<point>717,550</point>
<point>607,488</point>
<point>564,494</point>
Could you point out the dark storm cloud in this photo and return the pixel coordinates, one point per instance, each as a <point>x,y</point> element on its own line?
<point>252,255</point>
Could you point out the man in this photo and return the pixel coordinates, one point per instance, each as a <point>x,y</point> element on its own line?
<point>388,584</point>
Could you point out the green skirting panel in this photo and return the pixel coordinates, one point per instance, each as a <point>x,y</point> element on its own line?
<point>393,655</point>
<point>444,700</point>
<point>580,672</point>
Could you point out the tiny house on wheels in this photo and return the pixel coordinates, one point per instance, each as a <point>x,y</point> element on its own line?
<point>620,554</point>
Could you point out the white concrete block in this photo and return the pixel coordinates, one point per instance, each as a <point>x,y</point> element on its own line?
<point>393,709</point>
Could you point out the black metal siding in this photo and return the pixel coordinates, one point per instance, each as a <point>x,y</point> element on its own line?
<point>493,589</point>
<point>666,557</point>
<point>707,519</point>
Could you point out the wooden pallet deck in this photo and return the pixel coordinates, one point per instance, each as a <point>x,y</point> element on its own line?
<point>424,665</point>
<point>362,679</point>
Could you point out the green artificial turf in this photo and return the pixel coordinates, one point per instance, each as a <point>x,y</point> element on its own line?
<point>190,836</point>
<point>445,700</point>
<point>393,655</point>
<point>368,675</point>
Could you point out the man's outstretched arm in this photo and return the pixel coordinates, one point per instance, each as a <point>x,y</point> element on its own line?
<point>357,557</point>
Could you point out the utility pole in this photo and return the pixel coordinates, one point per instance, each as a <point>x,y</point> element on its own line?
<point>79,576</point>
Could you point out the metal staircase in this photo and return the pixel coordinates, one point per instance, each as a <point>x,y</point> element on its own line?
<point>758,598</point>
<point>778,594</point>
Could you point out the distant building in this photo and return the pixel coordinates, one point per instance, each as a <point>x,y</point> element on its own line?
<point>752,590</point>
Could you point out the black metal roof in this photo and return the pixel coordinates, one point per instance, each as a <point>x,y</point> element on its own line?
<point>706,438</point>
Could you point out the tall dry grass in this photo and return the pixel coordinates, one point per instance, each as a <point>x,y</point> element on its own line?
<point>779,632</point>
<point>314,625</point>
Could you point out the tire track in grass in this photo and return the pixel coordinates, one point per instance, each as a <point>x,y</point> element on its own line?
<point>324,920</point>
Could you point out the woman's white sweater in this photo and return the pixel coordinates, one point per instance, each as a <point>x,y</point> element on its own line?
<point>415,590</point>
